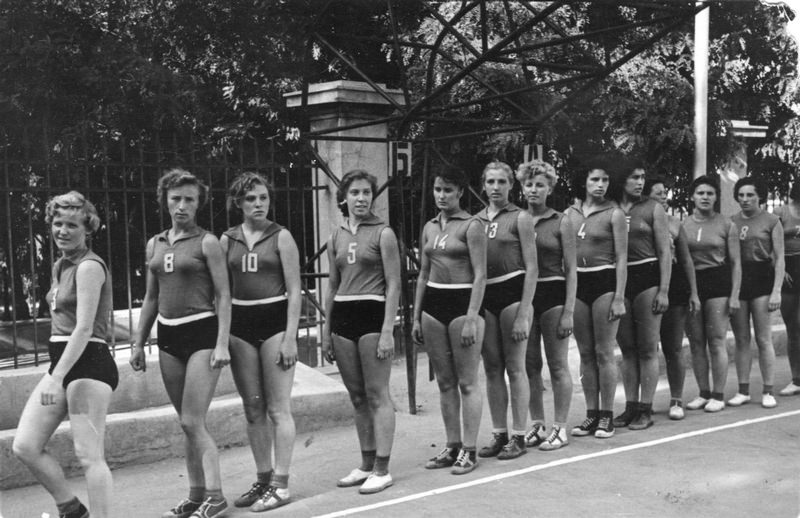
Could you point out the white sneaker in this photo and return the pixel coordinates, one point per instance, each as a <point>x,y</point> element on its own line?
<point>768,401</point>
<point>676,412</point>
<point>697,403</point>
<point>739,399</point>
<point>790,390</point>
<point>354,478</point>
<point>714,405</point>
<point>375,484</point>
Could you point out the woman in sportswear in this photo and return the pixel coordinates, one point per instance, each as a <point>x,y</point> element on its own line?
<point>362,299</point>
<point>790,293</point>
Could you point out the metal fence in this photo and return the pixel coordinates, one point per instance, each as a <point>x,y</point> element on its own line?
<point>120,176</point>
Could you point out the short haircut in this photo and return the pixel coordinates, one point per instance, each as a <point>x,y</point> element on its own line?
<point>603,163</point>
<point>243,183</point>
<point>177,177</point>
<point>649,183</point>
<point>496,165</point>
<point>73,201</point>
<point>528,170</point>
<point>704,180</point>
<point>757,183</point>
<point>618,175</point>
<point>452,175</point>
<point>347,181</point>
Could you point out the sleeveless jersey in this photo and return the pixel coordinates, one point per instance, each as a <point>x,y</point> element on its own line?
<point>595,243</point>
<point>257,273</point>
<point>63,299</point>
<point>708,240</point>
<point>504,250</point>
<point>446,249</point>
<point>358,260</point>
<point>549,252</point>
<point>755,235</point>
<point>184,282</point>
<point>641,237</point>
<point>791,230</point>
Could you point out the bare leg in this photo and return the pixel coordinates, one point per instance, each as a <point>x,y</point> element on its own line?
<point>514,354</point>
<point>696,331</point>
<point>647,326</point>
<point>376,374</point>
<point>716,327</point>
<point>494,366</point>
<point>557,350</point>
<point>626,337</point>
<point>605,334</point>
<point>349,361</point>
<point>584,335</point>
<point>465,362</point>
<point>437,341</point>
<point>740,324</point>
<point>672,329</point>
<point>277,383</point>
<point>763,331</point>
<point>533,367</point>
<point>790,310</point>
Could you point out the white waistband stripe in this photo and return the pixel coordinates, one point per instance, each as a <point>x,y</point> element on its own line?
<point>441,286</point>
<point>185,320</point>
<point>351,298</point>
<point>258,302</point>
<point>596,268</point>
<point>503,278</point>
<point>65,338</point>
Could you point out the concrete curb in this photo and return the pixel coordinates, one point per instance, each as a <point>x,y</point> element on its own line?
<point>153,434</point>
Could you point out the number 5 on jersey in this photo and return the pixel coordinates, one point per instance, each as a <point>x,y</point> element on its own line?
<point>351,253</point>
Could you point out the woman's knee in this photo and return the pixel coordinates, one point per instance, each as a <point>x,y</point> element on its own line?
<point>467,388</point>
<point>279,414</point>
<point>255,410</point>
<point>193,424</point>
<point>25,450</point>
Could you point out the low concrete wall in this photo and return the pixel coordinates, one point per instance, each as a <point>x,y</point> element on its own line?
<point>153,434</point>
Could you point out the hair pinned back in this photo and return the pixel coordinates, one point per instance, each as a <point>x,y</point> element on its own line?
<point>178,177</point>
<point>73,201</point>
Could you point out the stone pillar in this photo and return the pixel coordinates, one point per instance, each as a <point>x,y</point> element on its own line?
<point>336,104</point>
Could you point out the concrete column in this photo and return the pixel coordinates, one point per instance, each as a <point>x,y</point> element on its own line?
<point>337,104</point>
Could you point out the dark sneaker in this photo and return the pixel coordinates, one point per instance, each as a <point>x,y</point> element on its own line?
<point>513,448</point>
<point>605,428</point>
<point>255,492</point>
<point>211,509</point>
<point>628,416</point>
<point>464,463</point>
<point>445,459</point>
<point>642,422</point>
<point>184,509</point>
<point>80,512</point>
<point>535,436</point>
<point>587,427</point>
<point>499,439</point>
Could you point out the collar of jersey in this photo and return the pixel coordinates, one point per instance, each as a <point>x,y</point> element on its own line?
<point>372,219</point>
<point>642,199</point>
<point>578,206</point>
<point>510,207</point>
<point>548,214</point>
<point>237,234</point>
<point>164,236</point>
<point>462,214</point>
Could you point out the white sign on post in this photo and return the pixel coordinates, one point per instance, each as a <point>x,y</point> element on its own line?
<point>535,152</point>
<point>400,157</point>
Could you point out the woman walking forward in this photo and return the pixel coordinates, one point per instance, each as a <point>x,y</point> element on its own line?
<point>553,306</point>
<point>187,289</point>
<point>714,247</point>
<point>264,268</point>
<point>602,247</point>
<point>82,372</point>
<point>362,298</point>
<point>511,272</point>
<point>761,247</point>
<point>683,300</point>
<point>450,287</point>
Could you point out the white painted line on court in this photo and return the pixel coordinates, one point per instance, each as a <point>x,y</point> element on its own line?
<point>556,463</point>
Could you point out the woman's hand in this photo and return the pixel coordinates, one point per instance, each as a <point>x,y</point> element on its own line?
<point>469,332</point>
<point>522,325</point>
<point>53,390</point>
<point>733,304</point>
<point>775,301</point>
<point>327,348</point>
<point>694,304</point>
<point>386,344</point>
<point>565,325</point>
<point>660,303</point>
<point>287,354</point>
<point>416,332</point>
<point>617,309</point>
<point>220,357</point>
<point>137,359</point>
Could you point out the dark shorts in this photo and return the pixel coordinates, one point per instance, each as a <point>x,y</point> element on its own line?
<point>499,296</point>
<point>793,270</point>
<point>94,363</point>
<point>641,277</point>
<point>183,340</point>
<point>353,319</point>
<point>679,289</point>
<point>254,324</point>
<point>713,283</point>
<point>549,294</point>
<point>445,305</point>
<point>757,279</point>
<point>592,285</point>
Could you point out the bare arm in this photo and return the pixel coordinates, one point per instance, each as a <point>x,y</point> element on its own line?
<point>524,318</point>
<point>419,293</point>
<point>390,256</point>
<point>685,260</point>
<point>215,261</point>
<point>569,250</point>
<point>734,256</point>
<point>780,266</point>
<point>620,229</point>
<point>333,287</point>
<point>476,244</point>
<point>661,236</point>
<point>290,264</point>
<point>148,313</point>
